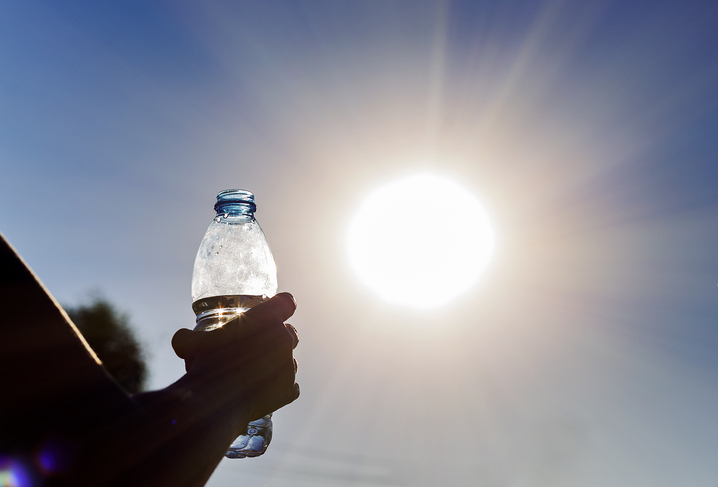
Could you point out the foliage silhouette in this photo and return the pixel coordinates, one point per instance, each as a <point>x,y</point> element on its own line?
<point>109,334</point>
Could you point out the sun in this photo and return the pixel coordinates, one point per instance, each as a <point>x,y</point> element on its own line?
<point>420,241</point>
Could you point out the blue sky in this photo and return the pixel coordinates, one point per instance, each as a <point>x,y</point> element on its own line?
<point>585,356</point>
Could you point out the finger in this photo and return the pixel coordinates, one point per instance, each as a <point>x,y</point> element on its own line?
<point>290,396</point>
<point>183,343</point>
<point>293,332</point>
<point>294,393</point>
<point>278,309</point>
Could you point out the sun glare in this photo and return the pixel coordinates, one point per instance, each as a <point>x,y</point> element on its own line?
<point>420,241</point>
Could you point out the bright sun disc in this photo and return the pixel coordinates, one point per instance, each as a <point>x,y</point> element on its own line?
<point>420,241</point>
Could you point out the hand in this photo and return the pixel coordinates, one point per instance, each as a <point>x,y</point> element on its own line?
<point>247,364</point>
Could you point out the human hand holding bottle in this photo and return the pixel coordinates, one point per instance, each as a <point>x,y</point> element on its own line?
<point>247,365</point>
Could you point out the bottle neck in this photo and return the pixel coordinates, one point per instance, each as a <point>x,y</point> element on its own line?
<point>235,204</point>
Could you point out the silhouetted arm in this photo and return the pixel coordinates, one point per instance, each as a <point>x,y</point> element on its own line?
<point>53,384</point>
<point>68,422</point>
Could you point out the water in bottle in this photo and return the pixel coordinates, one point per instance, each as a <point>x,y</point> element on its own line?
<point>234,271</point>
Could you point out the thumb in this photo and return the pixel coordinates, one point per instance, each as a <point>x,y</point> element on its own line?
<point>184,343</point>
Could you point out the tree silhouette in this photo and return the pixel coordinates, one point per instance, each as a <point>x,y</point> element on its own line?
<point>109,334</point>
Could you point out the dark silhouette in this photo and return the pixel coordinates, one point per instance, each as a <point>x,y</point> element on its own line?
<point>65,422</point>
<point>109,334</point>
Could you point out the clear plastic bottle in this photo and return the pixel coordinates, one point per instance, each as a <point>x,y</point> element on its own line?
<point>234,270</point>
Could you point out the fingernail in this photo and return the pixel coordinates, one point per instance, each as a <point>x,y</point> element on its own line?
<point>289,295</point>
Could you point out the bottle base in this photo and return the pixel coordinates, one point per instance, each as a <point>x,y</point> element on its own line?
<point>253,441</point>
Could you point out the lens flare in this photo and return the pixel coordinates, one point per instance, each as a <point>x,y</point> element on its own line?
<point>13,473</point>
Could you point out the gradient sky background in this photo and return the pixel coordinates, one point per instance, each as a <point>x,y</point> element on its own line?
<point>586,356</point>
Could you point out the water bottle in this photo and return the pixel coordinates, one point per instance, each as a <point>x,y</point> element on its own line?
<point>234,270</point>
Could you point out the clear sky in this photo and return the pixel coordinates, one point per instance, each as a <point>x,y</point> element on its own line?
<point>586,354</point>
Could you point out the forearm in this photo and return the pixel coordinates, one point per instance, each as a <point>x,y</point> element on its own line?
<point>176,436</point>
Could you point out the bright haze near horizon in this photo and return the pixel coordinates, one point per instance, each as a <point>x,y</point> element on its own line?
<point>585,353</point>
